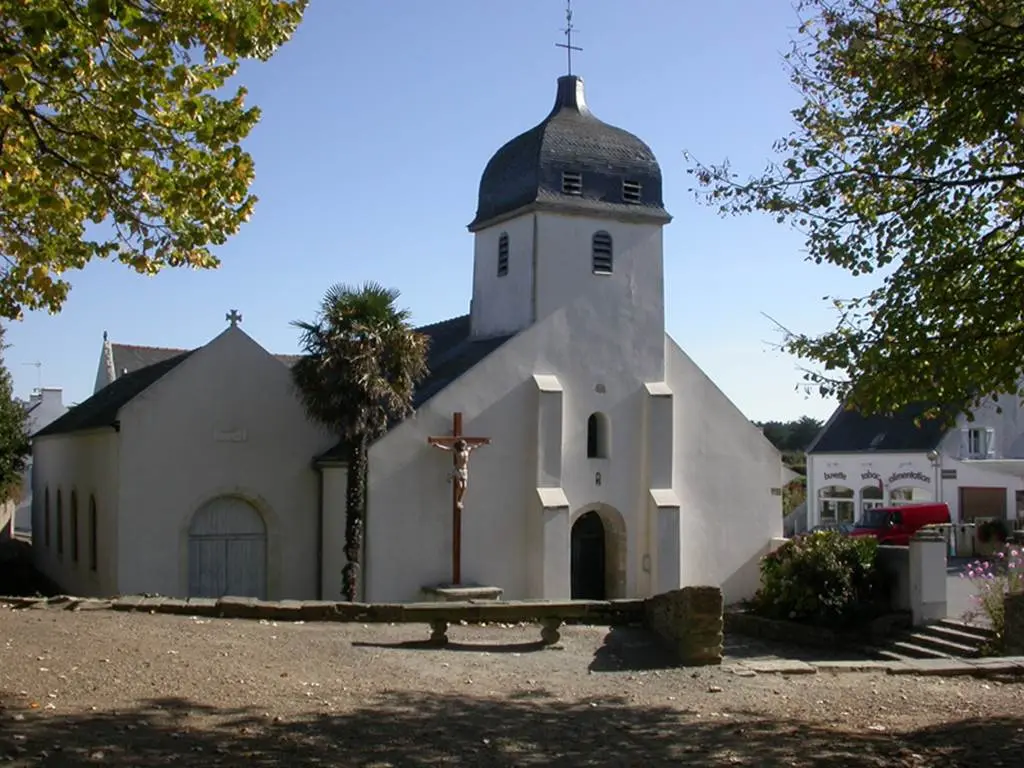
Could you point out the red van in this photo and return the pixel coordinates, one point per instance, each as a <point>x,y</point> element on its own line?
<point>895,525</point>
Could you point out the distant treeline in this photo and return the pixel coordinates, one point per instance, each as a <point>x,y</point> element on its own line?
<point>791,436</point>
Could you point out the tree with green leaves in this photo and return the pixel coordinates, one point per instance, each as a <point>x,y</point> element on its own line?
<point>14,437</point>
<point>115,139</point>
<point>906,166</point>
<point>361,364</point>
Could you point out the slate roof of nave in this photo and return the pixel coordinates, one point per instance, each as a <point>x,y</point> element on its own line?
<point>452,353</point>
<point>131,357</point>
<point>848,431</point>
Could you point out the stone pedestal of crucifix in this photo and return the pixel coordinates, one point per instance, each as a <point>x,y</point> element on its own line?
<point>460,446</point>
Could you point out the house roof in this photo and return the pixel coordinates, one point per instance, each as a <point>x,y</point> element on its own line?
<point>528,169</point>
<point>102,408</point>
<point>452,353</point>
<point>848,431</point>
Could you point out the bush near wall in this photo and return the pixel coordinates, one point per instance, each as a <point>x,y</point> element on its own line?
<point>825,578</point>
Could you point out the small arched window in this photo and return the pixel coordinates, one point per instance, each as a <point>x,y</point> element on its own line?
<point>601,253</point>
<point>93,534</point>
<point>503,254</point>
<point>46,517</point>
<point>73,525</point>
<point>60,524</point>
<point>598,437</point>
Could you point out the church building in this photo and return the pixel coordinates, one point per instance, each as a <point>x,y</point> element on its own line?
<point>613,466</point>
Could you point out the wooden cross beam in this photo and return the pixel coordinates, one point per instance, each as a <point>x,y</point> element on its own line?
<point>461,446</point>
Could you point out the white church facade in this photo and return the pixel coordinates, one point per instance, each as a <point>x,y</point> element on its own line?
<point>615,467</point>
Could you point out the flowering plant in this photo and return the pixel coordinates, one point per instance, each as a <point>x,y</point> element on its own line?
<point>995,579</point>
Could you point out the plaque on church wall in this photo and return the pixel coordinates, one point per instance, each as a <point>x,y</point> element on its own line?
<point>230,436</point>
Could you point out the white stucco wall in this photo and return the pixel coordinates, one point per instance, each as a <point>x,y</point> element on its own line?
<point>550,267</point>
<point>88,464</point>
<point>226,421</point>
<point>502,305</point>
<point>598,367</point>
<point>47,405</point>
<point>725,471</point>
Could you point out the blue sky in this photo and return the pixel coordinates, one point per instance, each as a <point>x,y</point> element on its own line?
<point>378,118</point>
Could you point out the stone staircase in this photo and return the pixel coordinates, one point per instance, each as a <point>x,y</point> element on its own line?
<point>945,639</point>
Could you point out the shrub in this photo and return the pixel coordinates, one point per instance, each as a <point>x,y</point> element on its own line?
<point>995,580</point>
<point>823,578</point>
<point>993,531</point>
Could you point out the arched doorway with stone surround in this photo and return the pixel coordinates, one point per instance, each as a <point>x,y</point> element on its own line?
<point>597,564</point>
<point>227,550</point>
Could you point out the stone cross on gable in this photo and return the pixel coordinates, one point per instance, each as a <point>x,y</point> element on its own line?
<point>234,317</point>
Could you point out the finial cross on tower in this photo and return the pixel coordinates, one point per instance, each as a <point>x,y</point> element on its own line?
<point>234,317</point>
<point>569,29</point>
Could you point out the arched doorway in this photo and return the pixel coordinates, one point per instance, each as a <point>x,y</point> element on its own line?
<point>587,564</point>
<point>227,550</point>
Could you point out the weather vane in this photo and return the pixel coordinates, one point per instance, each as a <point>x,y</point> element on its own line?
<point>569,29</point>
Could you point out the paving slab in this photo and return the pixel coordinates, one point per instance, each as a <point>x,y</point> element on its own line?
<point>780,667</point>
<point>839,667</point>
<point>940,667</point>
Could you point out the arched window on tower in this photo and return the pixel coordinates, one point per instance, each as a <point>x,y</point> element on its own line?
<point>601,253</point>
<point>503,254</point>
<point>598,436</point>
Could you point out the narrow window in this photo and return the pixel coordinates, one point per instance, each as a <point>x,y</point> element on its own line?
<point>46,517</point>
<point>93,535</point>
<point>503,254</point>
<point>597,436</point>
<point>631,191</point>
<point>73,525</point>
<point>602,253</point>
<point>60,524</point>
<point>572,182</point>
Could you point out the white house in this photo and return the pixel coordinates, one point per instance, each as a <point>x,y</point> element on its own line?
<point>616,467</point>
<point>43,406</point>
<point>976,467</point>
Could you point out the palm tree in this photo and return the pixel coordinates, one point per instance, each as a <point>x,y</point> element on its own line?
<point>361,364</point>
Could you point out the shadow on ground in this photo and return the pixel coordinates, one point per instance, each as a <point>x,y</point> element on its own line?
<point>401,729</point>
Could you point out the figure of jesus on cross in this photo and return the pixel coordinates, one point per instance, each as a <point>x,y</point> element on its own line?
<point>461,446</point>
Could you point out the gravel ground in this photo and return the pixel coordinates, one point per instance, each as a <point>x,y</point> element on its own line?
<point>143,690</point>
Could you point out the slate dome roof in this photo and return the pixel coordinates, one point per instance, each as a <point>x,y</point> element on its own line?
<point>529,168</point>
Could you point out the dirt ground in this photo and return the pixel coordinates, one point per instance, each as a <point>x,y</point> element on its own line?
<point>122,689</point>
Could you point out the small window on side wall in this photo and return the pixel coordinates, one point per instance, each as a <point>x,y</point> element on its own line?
<point>60,523</point>
<point>93,535</point>
<point>46,517</point>
<point>601,253</point>
<point>598,436</point>
<point>503,254</point>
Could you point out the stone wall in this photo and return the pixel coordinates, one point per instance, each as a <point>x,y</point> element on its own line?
<point>1013,630</point>
<point>689,622</point>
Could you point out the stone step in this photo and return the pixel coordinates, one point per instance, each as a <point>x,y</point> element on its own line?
<point>977,630</point>
<point>936,641</point>
<point>956,635</point>
<point>913,651</point>
<point>887,655</point>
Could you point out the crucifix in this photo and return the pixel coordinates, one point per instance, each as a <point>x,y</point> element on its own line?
<point>234,317</point>
<point>569,47</point>
<point>461,446</point>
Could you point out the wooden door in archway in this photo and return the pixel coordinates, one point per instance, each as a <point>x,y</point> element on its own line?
<point>227,550</point>
<point>588,561</point>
